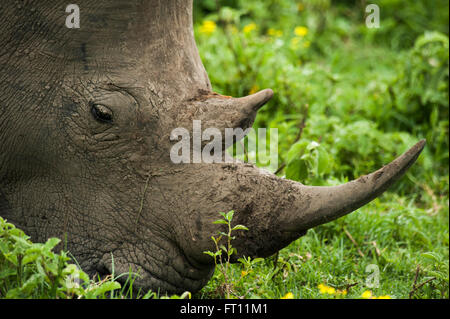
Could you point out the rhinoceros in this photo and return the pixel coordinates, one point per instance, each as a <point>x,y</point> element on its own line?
<point>86,115</point>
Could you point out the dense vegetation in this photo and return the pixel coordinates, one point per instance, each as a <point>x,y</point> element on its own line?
<point>348,99</point>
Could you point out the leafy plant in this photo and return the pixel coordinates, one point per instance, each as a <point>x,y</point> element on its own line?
<point>227,249</point>
<point>33,270</point>
<point>308,158</point>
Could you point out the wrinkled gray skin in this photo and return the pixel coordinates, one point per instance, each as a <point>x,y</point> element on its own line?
<point>110,187</point>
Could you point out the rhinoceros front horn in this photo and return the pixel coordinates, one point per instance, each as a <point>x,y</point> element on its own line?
<point>329,203</point>
<point>282,210</point>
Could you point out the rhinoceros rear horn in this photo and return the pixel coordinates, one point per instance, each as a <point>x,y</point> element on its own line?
<point>325,204</point>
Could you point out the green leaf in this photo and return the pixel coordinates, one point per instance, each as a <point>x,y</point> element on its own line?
<point>209,253</point>
<point>220,221</point>
<point>239,227</point>
<point>229,215</point>
<point>323,162</point>
<point>29,258</point>
<point>257,260</point>
<point>431,256</point>
<point>22,241</point>
<point>11,257</point>
<point>297,170</point>
<point>296,151</point>
<point>34,281</point>
<point>105,287</point>
<point>51,243</point>
<point>186,295</point>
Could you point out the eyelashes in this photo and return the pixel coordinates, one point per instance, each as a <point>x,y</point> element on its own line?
<point>102,113</point>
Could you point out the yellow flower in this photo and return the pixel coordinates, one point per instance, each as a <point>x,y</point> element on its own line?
<point>208,27</point>
<point>307,44</point>
<point>367,294</point>
<point>301,31</point>
<point>249,28</point>
<point>254,89</point>
<point>289,295</point>
<point>274,33</point>
<point>244,273</point>
<point>331,291</point>
<point>324,289</point>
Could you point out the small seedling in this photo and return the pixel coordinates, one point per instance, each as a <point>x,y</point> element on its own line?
<point>223,263</point>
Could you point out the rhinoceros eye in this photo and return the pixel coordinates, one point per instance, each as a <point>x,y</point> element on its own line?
<point>102,113</point>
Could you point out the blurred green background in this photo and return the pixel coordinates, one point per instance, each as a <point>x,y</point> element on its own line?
<point>348,99</point>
